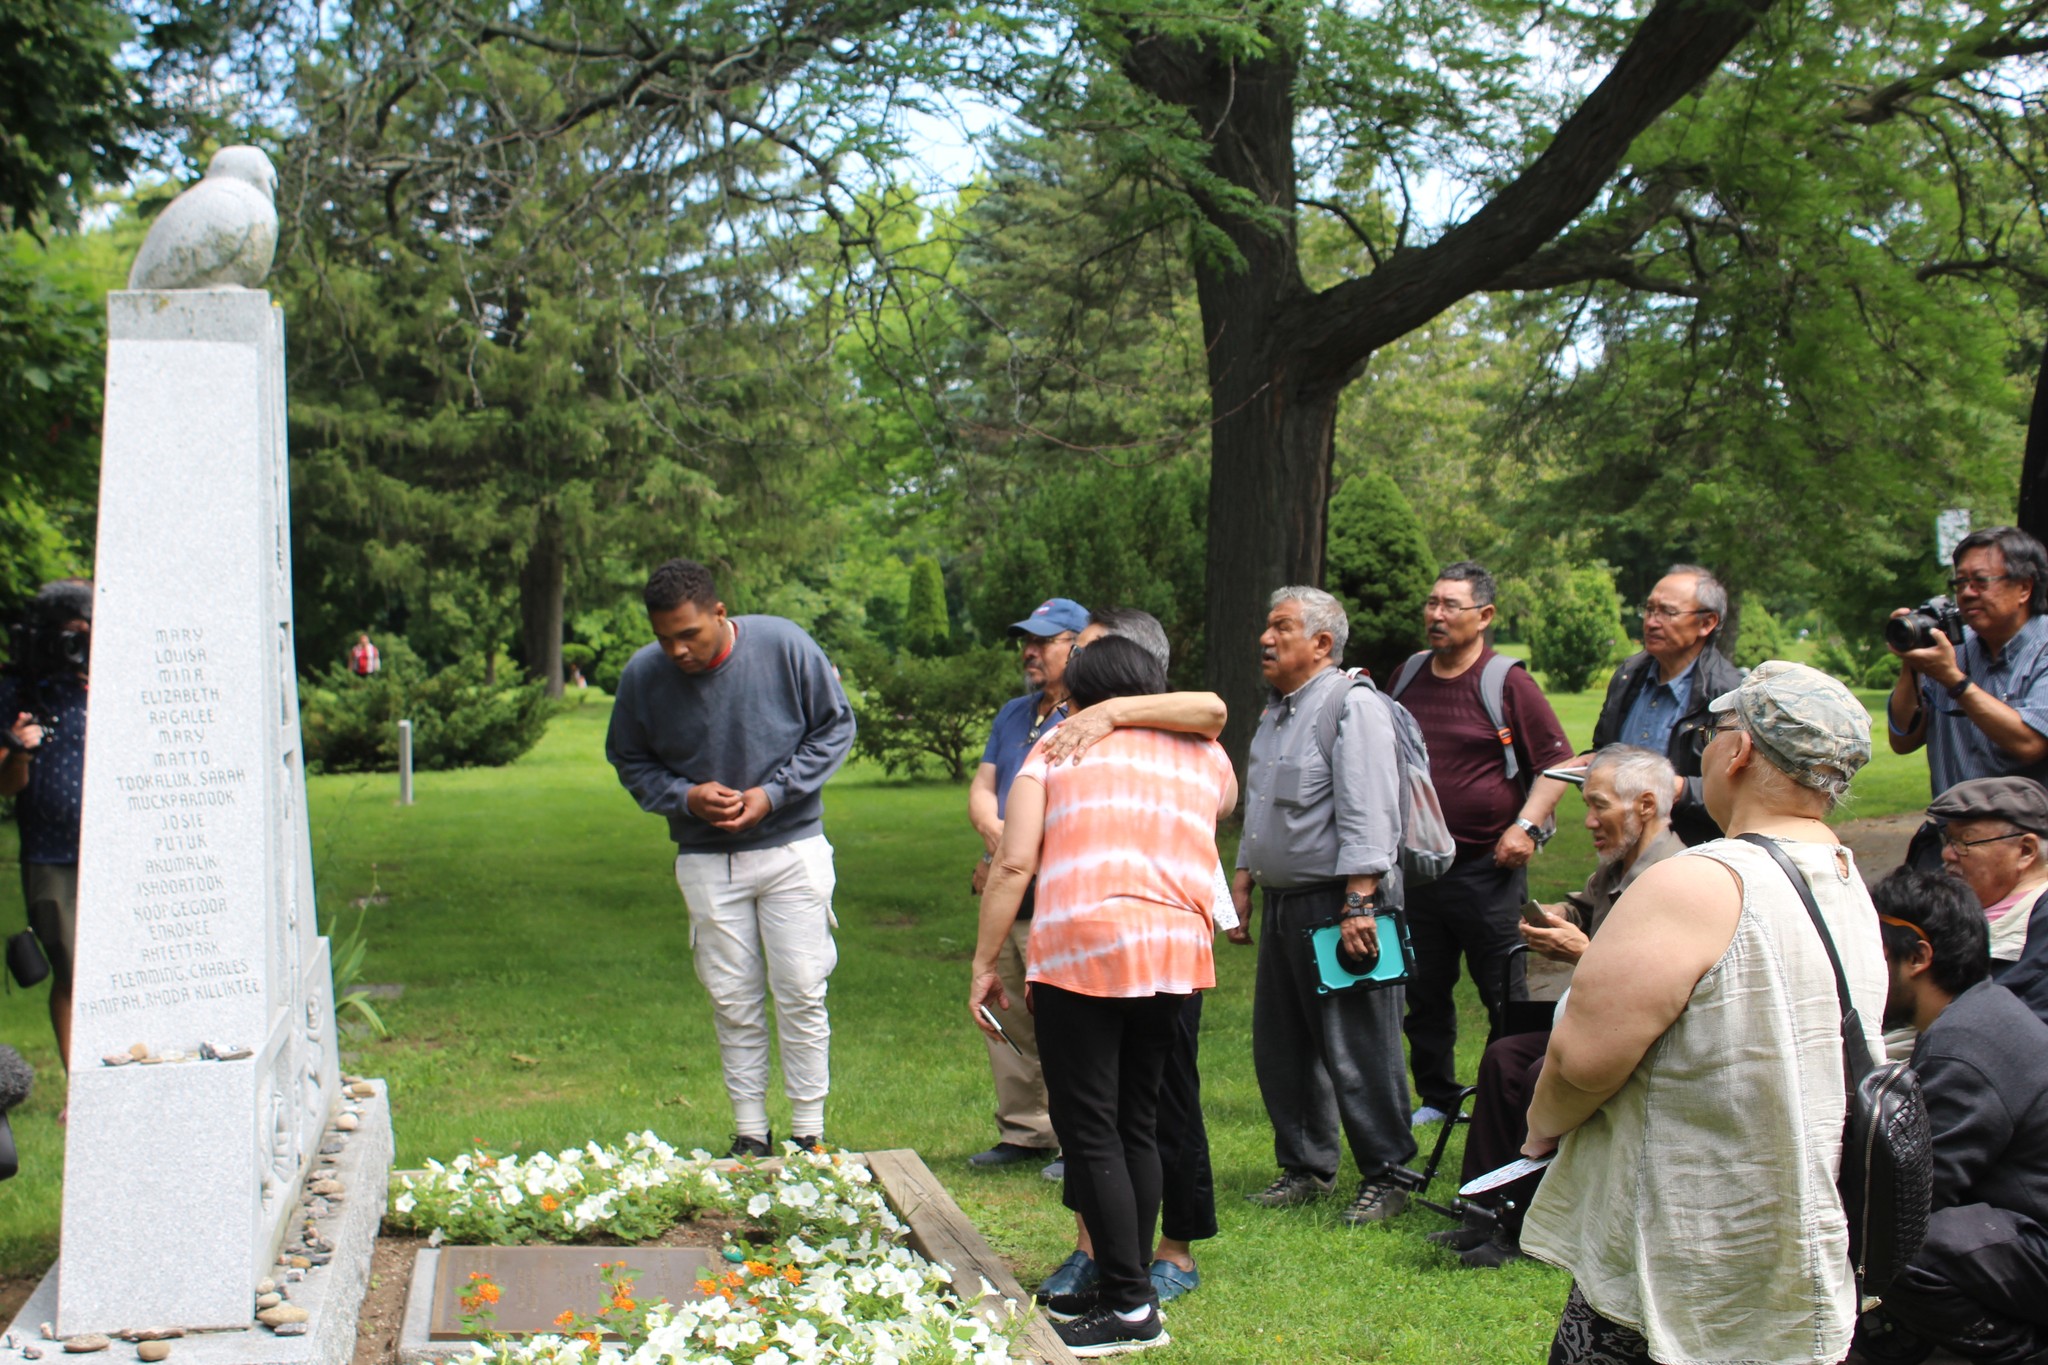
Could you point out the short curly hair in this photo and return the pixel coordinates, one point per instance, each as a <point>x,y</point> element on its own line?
<point>680,581</point>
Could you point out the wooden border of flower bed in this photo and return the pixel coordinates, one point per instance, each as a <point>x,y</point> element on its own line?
<point>940,1232</point>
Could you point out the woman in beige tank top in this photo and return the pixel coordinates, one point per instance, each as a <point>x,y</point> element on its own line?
<point>1693,1087</point>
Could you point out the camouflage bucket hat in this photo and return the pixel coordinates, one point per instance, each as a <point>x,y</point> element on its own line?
<point>1807,724</point>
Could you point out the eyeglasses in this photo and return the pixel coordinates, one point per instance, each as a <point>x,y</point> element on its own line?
<point>1962,847</point>
<point>1044,641</point>
<point>1651,611</point>
<point>1438,604</point>
<point>1703,737</point>
<point>1978,581</point>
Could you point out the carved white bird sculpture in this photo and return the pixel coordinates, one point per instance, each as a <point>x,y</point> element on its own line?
<point>219,234</point>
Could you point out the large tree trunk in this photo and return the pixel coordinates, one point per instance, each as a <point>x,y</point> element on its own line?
<point>2033,517</point>
<point>1269,486</point>
<point>1279,355</point>
<point>540,605</point>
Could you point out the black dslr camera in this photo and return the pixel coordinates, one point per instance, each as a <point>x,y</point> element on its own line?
<point>1915,630</point>
<point>40,647</point>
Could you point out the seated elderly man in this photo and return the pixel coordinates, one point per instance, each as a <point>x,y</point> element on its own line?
<point>1979,1284</point>
<point>1993,832</point>
<point>1628,809</point>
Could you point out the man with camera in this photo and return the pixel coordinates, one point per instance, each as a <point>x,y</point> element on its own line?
<point>42,698</point>
<point>1973,674</point>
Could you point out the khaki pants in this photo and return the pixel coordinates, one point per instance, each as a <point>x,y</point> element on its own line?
<point>1021,1115</point>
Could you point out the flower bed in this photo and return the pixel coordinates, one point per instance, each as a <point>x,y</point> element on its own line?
<point>819,1272</point>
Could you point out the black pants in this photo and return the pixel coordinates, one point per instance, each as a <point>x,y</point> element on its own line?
<point>1187,1194</point>
<point>1500,1122</point>
<point>1325,1062</point>
<point>1471,910</point>
<point>1979,1286</point>
<point>1187,1188</point>
<point>1103,1059</point>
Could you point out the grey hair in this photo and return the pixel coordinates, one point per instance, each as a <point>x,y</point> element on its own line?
<point>1637,770</point>
<point>1319,612</point>
<point>1707,590</point>
<point>1141,628</point>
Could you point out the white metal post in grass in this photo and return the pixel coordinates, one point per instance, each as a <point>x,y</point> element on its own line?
<point>405,763</point>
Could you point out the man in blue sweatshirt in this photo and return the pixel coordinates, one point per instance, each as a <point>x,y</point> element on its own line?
<point>730,726</point>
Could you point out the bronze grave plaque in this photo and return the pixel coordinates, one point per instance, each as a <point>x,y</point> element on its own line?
<point>536,1284</point>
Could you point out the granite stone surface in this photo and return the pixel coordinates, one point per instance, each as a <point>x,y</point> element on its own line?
<point>332,1294</point>
<point>220,233</point>
<point>196,930</point>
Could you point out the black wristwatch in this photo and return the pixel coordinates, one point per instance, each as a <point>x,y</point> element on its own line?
<point>1532,829</point>
<point>1358,905</point>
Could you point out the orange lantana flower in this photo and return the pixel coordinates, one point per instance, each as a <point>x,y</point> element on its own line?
<point>565,1318</point>
<point>548,1203</point>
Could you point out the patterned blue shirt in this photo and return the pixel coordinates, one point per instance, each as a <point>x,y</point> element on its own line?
<point>1656,710</point>
<point>47,808</point>
<point>1956,749</point>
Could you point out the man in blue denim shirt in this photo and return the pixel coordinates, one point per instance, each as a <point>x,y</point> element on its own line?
<point>1980,705</point>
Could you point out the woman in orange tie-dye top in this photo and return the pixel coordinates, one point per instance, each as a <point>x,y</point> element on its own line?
<point>1123,847</point>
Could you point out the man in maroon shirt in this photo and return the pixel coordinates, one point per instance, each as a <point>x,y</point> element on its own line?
<point>1497,821</point>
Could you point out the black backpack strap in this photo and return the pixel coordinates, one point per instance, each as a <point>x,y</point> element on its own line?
<point>1857,1061</point>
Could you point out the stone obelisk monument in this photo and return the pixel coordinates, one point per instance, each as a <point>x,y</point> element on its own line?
<point>204,1066</point>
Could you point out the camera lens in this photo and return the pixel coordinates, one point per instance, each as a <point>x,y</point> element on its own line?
<point>1914,630</point>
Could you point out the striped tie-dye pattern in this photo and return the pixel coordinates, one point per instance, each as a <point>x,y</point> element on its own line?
<point>1126,866</point>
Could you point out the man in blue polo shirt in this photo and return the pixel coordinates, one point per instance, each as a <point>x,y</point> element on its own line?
<point>1046,637</point>
<point>1980,704</point>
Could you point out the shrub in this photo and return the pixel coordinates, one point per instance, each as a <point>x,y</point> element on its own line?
<point>914,712</point>
<point>350,724</point>
<point>1380,567</point>
<point>1863,663</point>
<point>1763,636</point>
<point>926,631</point>
<point>1576,631</point>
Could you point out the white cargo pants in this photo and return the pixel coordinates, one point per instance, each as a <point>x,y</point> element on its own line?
<point>759,918</point>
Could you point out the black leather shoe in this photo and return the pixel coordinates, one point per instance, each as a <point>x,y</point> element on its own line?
<point>808,1144</point>
<point>743,1146</point>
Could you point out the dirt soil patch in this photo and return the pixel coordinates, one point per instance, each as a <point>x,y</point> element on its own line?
<point>1879,842</point>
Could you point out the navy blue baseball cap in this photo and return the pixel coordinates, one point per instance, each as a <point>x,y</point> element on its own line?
<point>1054,616</point>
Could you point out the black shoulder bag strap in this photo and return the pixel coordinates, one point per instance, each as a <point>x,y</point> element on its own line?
<point>1856,1059</point>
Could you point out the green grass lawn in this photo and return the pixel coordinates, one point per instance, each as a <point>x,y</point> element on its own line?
<point>531,916</point>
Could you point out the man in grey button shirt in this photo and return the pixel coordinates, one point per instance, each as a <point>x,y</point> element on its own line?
<point>1322,830</point>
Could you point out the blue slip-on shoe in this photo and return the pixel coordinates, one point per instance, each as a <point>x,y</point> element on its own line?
<point>1075,1274</point>
<point>1428,1113</point>
<point>1055,1170</point>
<point>1169,1281</point>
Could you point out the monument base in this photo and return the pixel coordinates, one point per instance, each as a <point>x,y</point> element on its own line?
<point>331,1294</point>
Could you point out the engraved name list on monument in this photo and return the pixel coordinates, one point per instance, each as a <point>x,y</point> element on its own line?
<point>179,791</point>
